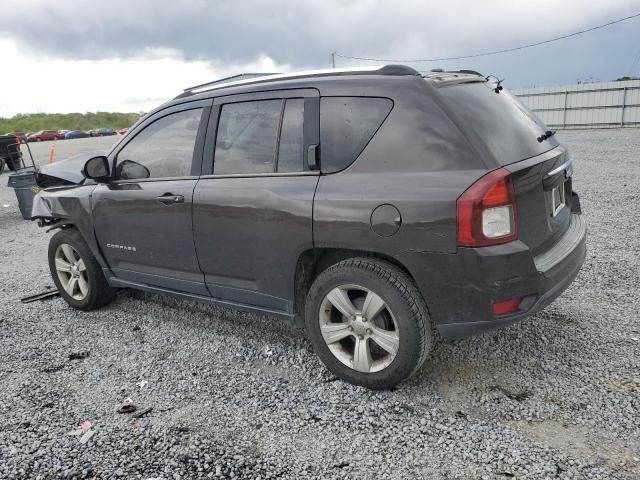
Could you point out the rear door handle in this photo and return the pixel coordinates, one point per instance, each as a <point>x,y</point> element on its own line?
<point>170,198</point>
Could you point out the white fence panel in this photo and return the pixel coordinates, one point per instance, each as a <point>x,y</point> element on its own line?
<point>585,105</point>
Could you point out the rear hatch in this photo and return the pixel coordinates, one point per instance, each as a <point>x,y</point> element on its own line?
<point>543,195</point>
<point>507,134</point>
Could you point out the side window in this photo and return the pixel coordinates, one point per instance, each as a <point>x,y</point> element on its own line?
<point>163,149</point>
<point>347,124</point>
<point>246,138</point>
<point>290,153</point>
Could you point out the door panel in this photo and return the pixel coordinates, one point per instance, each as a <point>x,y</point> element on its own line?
<point>253,215</point>
<point>249,232</point>
<point>146,239</point>
<point>143,219</point>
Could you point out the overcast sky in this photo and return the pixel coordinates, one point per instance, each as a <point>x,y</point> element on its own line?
<point>117,55</point>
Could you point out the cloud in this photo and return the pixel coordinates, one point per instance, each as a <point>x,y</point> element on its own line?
<point>117,84</point>
<point>124,54</point>
<point>290,31</point>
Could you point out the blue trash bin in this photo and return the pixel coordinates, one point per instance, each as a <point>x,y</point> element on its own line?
<point>25,186</point>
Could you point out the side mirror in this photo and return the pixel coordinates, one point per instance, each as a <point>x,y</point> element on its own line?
<point>97,168</point>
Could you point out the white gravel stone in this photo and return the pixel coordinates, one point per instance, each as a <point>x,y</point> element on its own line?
<point>236,395</point>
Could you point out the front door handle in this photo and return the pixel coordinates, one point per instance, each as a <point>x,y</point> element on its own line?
<point>170,198</point>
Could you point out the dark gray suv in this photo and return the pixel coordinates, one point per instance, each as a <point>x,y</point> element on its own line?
<point>372,206</point>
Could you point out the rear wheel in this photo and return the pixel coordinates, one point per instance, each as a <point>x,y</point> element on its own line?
<point>76,273</point>
<point>368,323</point>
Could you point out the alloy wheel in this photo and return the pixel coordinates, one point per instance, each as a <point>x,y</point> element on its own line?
<point>72,272</point>
<point>359,328</point>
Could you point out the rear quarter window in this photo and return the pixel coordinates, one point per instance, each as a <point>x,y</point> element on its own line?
<point>347,125</point>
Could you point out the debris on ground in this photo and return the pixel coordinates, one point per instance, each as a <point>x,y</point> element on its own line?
<point>127,409</point>
<point>53,368</point>
<point>40,296</point>
<point>79,355</point>
<point>87,435</point>
<point>85,431</point>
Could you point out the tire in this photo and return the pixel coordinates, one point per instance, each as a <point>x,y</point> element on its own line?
<point>403,324</point>
<point>89,289</point>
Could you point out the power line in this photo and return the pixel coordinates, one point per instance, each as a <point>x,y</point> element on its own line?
<point>495,52</point>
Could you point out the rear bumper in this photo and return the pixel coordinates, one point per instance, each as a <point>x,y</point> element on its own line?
<point>473,277</point>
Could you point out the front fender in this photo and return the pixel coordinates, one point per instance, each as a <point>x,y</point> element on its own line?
<point>69,206</point>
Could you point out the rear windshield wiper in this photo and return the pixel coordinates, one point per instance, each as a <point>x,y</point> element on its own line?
<point>545,135</point>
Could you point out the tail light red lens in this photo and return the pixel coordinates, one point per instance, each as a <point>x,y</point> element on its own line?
<point>486,211</point>
<point>503,307</point>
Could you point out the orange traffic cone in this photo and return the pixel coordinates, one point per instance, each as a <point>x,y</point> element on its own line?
<point>52,152</point>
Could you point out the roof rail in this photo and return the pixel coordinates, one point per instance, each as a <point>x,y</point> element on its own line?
<point>250,78</point>
<point>471,72</point>
<point>436,71</point>
<point>239,76</point>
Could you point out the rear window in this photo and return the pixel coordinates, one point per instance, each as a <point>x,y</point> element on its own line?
<point>498,121</point>
<point>347,124</point>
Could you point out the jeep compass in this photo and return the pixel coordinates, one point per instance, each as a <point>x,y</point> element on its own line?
<point>372,206</point>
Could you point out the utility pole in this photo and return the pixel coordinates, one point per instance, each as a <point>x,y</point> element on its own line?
<point>333,59</point>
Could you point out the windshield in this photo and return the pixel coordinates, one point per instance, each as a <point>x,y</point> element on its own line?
<point>503,125</point>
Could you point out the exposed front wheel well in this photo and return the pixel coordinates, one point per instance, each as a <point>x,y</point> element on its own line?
<point>314,261</point>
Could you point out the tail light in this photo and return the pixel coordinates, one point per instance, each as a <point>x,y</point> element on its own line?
<point>503,307</point>
<point>486,211</point>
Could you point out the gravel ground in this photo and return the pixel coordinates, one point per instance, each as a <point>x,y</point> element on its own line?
<point>243,396</point>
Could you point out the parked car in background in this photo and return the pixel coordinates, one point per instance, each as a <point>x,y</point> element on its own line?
<point>45,135</point>
<point>372,206</point>
<point>101,132</point>
<point>76,134</point>
<point>122,131</point>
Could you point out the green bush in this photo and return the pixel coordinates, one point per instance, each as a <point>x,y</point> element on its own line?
<point>32,122</point>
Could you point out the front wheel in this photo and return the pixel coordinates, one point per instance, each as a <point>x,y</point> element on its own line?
<point>368,322</point>
<point>76,273</point>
